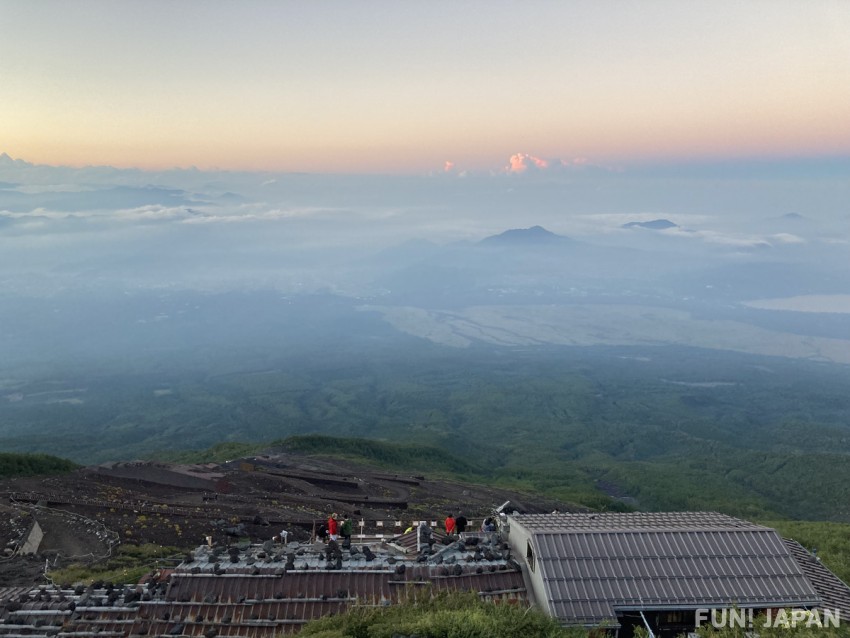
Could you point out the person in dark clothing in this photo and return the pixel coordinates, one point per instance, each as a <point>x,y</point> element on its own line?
<point>345,531</point>
<point>321,532</point>
<point>461,523</point>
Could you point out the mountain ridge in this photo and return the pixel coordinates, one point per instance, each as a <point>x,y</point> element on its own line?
<point>534,235</point>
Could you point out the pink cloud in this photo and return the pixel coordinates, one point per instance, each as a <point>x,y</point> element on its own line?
<point>526,163</point>
<point>521,162</point>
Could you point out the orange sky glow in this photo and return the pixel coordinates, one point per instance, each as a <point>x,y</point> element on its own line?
<point>398,87</point>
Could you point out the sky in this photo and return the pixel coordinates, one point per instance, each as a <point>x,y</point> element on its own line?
<point>414,87</point>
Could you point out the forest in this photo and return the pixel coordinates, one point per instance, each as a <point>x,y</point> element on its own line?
<point>33,465</point>
<point>665,427</point>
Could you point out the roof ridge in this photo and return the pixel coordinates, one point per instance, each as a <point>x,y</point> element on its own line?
<point>664,530</point>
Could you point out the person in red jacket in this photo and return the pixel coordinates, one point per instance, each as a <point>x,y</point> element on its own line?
<point>450,525</point>
<point>333,527</point>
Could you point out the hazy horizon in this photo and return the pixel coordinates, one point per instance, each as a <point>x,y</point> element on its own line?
<point>383,87</point>
<point>210,207</point>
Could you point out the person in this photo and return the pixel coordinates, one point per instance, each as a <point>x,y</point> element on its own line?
<point>333,526</point>
<point>345,531</point>
<point>450,525</point>
<point>488,525</point>
<point>461,523</point>
<point>322,532</point>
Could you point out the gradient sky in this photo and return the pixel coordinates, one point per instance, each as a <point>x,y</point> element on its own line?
<point>405,86</point>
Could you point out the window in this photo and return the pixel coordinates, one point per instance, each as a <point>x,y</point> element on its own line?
<point>677,618</point>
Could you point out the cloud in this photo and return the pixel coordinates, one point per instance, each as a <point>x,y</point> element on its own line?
<point>732,240</point>
<point>203,215</point>
<point>787,238</point>
<point>154,212</point>
<point>260,215</point>
<point>148,212</point>
<point>526,163</point>
<point>522,162</point>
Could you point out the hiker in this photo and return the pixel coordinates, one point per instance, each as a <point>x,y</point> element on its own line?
<point>450,525</point>
<point>488,525</point>
<point>333,526</point>
<point>345,531</point>
<point>461,523</point>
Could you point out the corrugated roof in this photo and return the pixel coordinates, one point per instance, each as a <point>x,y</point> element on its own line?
<point>834,593</point>
<point>631,521</point>
<point>595,565</point>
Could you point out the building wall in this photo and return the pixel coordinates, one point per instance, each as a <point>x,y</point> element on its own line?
<point>519,540</point>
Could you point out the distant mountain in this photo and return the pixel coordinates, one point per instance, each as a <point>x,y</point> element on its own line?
<point>655,224</point>
<point>6,161</point>
<point>534,236</point>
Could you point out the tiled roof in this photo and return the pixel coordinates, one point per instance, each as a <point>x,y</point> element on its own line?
<point>631,521</point>
<point>47,611</point>
<point>255,593</point>
<point>596,565</point>
<point>834,592</point>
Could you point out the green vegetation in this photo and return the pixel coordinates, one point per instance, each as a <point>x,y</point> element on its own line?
<point>447,615</point>
<point>607,427</point>
<point>398,456</point>
<point>128,565</point>
<point>33,465</point>
<point>216,454</point>
<point>464,615</point>
<point>776,628</point>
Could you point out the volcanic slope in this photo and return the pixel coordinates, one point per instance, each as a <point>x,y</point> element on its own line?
<point>84,515</point>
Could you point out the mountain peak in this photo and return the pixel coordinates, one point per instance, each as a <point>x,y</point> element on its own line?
<point>7,160</point>
<point>534,235</point>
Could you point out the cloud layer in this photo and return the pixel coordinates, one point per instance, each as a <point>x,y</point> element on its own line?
<point>62,220</point>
